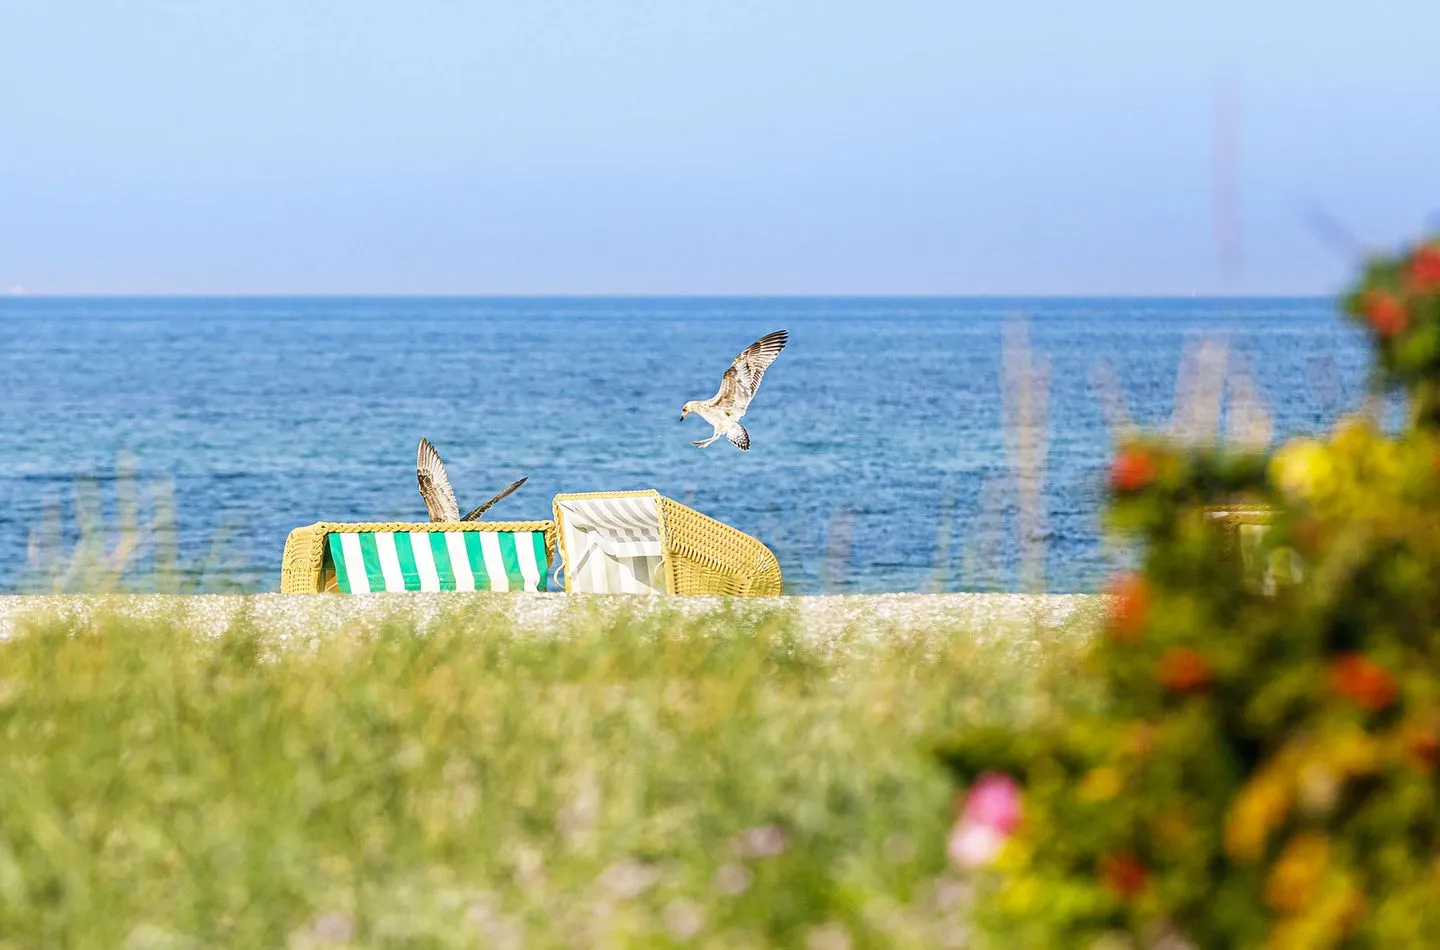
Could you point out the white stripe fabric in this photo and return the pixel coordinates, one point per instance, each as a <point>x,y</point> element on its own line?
<point>459,560</point>
<point>584,558</point>
<point>354,564</point>
<point>530,569</point>
<point>494,561</point>
<point>389,560</point>
<point>635,575</point>
<point>425,562</point>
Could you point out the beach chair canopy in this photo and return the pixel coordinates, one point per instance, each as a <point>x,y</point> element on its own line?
<point>640,542</point>
<point>430,556</point>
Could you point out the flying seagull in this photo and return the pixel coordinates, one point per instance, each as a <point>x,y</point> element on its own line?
<point>737,388</point>
<point>435,487</point>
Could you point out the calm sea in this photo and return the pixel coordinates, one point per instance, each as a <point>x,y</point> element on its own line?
<point>878,435</point>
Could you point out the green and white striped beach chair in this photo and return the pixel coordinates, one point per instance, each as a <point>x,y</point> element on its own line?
<point>359,558</point>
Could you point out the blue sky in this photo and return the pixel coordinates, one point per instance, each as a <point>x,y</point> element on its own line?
<point>673,146</point>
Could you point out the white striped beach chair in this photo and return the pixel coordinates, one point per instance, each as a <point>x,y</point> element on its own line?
<point>359,558</point>
<point>640,542</point>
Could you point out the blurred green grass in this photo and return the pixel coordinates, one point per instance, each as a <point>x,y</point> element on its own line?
<point>721,780</point>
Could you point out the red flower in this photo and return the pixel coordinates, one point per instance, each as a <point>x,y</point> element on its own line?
<point>1130,607</point>
<point>1423,274</point>
<point>1362,681</point>
<point>1183,670</point>
<point>1423,750</point>
<point>1385,312</point>
<point>1123,875</point>
<point>1132,470</point>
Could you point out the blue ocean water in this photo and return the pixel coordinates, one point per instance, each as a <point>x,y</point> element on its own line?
<point>881,422</point>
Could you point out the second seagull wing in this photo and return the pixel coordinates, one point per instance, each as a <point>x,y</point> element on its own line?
<point>475,513</point>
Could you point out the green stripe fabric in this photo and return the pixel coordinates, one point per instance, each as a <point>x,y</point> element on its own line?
<point>359,567</point>
<point>406,554</point>
<point>374,573</point>
<point>477,560</point>
<point>440,551</point>
<point>512,561</point>
<point>537,541</point>
<point>337,557</point>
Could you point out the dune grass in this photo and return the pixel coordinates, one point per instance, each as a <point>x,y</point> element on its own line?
<point>716,781</point>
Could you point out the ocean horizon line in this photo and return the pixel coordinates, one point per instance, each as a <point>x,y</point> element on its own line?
<point>183,297</point>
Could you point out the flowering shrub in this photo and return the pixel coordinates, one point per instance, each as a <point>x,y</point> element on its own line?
<point>1263,769</point>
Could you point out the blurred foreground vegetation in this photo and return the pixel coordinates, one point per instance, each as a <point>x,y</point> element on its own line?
<point>1264,769</point>
<point>726,780</point>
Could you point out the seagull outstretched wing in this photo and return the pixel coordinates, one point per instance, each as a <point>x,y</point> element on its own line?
<point>475,513</point>
<point>435,484</point>
<point>742,379</point>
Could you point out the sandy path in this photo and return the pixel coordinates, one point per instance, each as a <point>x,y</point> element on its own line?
<point>288,616</point>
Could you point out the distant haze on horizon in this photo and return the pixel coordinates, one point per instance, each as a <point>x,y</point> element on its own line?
<point>665,147</point>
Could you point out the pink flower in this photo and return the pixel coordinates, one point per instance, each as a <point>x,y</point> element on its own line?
<point>990,814</point>
<point>994,800</point>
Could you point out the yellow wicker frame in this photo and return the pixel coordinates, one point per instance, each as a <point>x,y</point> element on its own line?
<point>701,556</point>
<point>1231,517</point>
<point>306,569</point>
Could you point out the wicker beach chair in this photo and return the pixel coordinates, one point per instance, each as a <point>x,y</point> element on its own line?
<point>640,542</point>
<point>1244,527</point>
<point>427,556</point>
